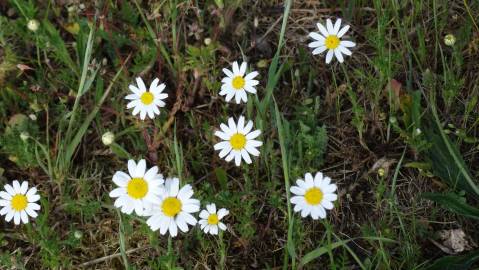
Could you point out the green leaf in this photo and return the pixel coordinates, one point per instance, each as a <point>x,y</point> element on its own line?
<point>446,160</point>
<point>222,178</point>
<point>454,203</point>
<point>320,251</point>
<point>463,262</point>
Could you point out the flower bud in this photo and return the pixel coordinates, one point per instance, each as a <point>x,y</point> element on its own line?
<point>108,138</point>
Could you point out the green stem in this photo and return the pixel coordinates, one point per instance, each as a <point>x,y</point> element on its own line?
<point>122,241</point>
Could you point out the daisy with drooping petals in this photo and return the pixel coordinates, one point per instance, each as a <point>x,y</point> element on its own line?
<point>210,219</point>
<point>313,195</point>
<point>146,101</point>
<point>236,83</point>
<point>18,202</point>
<point>238,141</point>
<point>174,209</point>
<point>137,189</point>
<point>329,38</point>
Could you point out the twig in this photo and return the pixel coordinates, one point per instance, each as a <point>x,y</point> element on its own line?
<point>109,257</point>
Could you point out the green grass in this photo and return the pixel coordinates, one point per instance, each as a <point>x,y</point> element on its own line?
<point>396,127</point>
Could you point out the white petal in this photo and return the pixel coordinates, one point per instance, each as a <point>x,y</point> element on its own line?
<point>204,214</point>
<point>347,43</point>
<point>33,198</point>
<point>211,208</point>
<point>322,29</point>
<point>251,75</point>
<point>185,193</point>
<point>339,56</point>
<point>243,68</point>
<point>135,90</point>
<point>316,44</point>
<point>319,50</point>
<point>24,187</point>
<point>24,217</point>
<point>329,26</point>
<point>253,135</point>
<point>343,31</point>
<point>322,212</point>
<point>337,26</point>
<point>16,218</point>
<point>228,72</point>
<point>240,125</point>
<point>297,200</point>
<point>173,228</point>
<point>188,218</point>
<point>246,156</point>
<point>151,173</point>
<point>235,68</point>
<point>232,125</point>
<point>317,37</point>
<point>121,179</point>
<point>327,204</point>
<point>16,186</point>
<point>297,190</point>
<point>141,84</point>
<point>180,221</point>
<point>330,197</point>
<point>344,50</point>
<point>9,189</point>
<point>9,216</point>
<point>140,168</point>
<point>4,195</point>
<point>329,188</point>
<point>190,208</point>
<point>222,213</point>
<point>174,188</point>
<point>5,210</point>
<point>237,158</point>
<point>329,56</point>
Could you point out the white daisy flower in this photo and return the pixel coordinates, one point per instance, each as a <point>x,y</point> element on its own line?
<point>236,83</point>
<point>138,188</point>
<point>328,38</point>
<point>146,102</point>
<point>18,202</point>
<point>238,141</point>
<point>210,219</point>
<point>174,209</point>
<point>313,196</point>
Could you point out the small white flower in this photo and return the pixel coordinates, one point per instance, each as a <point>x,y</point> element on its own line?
<point>449,40</point>
<point>33,25</point>
<point>137,189</point>
<point>329,38</point>
<point>210,219</point>
<point>238,141</point>
<point>108,138</point>
<point>174,209</point>
<point>18,202</point>
<point>236,83</point>
<point>313,196</point>
<point>146,102</point>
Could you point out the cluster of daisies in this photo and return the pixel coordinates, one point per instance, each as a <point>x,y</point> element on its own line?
<point>167,205</point>
<point>170,206</point>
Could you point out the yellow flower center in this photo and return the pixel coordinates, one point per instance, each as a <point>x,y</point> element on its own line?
<point>313,196</point>
<point>19,202</point>
<point>171,206</point>
<point>137,188</point>
<point>238,82</point>
<point>332,42</point>
<point>147,98</point>
<point>213,219</point>
<point>238,141</point>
